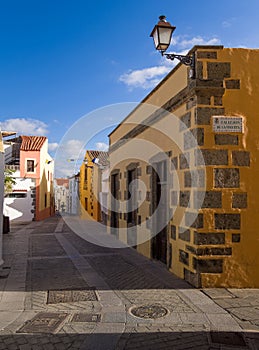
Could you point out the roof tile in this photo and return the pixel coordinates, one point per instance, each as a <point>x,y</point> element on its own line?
<point>32,143</point>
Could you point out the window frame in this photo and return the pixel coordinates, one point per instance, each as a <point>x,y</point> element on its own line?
<point>34,165</point>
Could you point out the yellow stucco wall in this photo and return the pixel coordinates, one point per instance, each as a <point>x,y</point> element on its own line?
<point>89,190</point>
<point>45,180</point>
<point>227,83</point>
<point>241,269</point>
<point>172,84</point>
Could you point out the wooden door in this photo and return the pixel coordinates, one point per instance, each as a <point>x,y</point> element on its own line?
<point>160,212</point>
<point>114,203</point>
<point>132,208</point>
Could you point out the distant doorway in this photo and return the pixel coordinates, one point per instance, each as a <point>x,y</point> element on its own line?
<point>114,203</point>
<point>160,209</point>
<point>132,207</point>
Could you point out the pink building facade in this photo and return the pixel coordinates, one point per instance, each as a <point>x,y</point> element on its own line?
<point>32,197</point>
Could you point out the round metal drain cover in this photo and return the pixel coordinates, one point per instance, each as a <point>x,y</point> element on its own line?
<point>149,311</point>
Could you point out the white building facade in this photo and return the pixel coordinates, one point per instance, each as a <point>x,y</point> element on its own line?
<point>61,189</point>
<point>73,195</point>
<point>1,194</point>
<point>32,194</point>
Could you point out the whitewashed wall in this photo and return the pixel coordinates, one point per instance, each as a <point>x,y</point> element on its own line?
<point>20,209</point>
<point>1,201</point>
<point>73,196</point>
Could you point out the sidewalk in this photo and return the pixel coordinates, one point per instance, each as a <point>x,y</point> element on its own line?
<point>63,292</point>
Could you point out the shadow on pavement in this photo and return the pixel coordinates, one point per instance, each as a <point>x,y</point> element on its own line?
<point>49,266</point>
<point>179,340</point>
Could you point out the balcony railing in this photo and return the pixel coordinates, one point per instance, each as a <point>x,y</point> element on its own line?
<point>12,167</point>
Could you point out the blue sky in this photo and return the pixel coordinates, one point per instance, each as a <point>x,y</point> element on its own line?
<point>63,59</point>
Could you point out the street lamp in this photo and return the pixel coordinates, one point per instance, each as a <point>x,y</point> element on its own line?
<point>162,34</point>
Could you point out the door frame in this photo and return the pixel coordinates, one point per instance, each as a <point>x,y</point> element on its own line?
<point>131,169</point>
<point>156,241</point>
<point>115,187</point>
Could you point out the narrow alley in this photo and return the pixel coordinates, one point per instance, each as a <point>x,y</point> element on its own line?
<point>58,291</point>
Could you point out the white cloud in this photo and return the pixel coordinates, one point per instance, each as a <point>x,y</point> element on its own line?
<point>187,44</point>
<point>53,146</point>
<point>70,154</point>
<point>145,78</point>
<point>72,149</point>
<point>25,126</point>
<point>69,157</point>
<point>101,146</point>
<point>228,22</point>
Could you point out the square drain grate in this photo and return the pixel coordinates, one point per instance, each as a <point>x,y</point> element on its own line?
<point>86,317</point>
<point>70,296</point>
<point>44,322</point>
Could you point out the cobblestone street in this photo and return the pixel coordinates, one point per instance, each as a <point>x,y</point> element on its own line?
<point>59,291</point>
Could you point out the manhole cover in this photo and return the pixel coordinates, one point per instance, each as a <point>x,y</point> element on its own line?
<point>149,311</point>
<point>70,296</point>
<point>44,322</point>
<point>86,318</point>
<point>227,338</point>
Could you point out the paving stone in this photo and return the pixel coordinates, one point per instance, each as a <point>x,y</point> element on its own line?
<point>44,340</point>
<point>32,340</point>
<point>26,347</point>
<point>127,279</point>
<point>49,347</point>
<point>229,338</point>
<point>193,318</point>
<point>59,346</point>
<point>40,246</point>
<point>246,313</point>
<point>36,347</point>
<point>9,340</point>
<point>218,293</point>
<point>114,317</point>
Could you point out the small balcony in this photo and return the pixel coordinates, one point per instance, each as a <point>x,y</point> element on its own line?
<point>12,167</point>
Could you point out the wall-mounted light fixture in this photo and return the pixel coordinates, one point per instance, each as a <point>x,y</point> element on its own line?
<point>162,34</point>
<point>95,160</point>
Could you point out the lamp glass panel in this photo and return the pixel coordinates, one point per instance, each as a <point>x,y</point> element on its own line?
<point>155,37</point>
<point>165,35</point>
